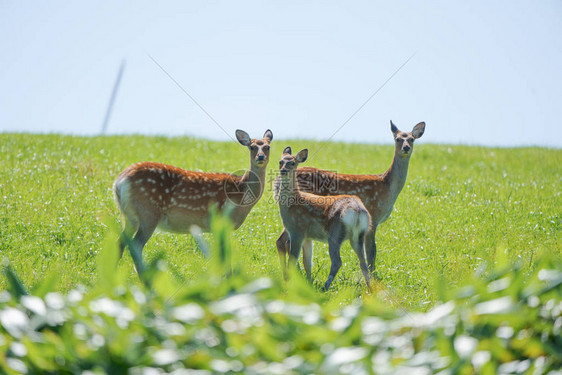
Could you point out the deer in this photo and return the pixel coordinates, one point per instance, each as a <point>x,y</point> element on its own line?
<point>331,219</point>
<point>378,192</point>
<point>153,195</point>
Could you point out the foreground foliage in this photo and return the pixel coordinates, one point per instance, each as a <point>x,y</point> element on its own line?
<point>504,320</point>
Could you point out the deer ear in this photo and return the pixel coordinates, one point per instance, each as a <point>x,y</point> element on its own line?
<point>287,150</point>
<point>268,135</point>
<point>302,156</point>
<point>243,138</point>
<point>418,130</point>
<point>393,128</point>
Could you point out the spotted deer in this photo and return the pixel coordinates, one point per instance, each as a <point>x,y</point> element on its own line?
<point>155,195</point>
<point>377,192</point>
<point>330,219</point>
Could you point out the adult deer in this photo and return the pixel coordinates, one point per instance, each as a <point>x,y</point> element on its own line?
<point>331,219</point>
<point>155,195</point>
<point>377,192</point>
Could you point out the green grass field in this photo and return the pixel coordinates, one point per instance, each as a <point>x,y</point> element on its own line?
<point>460,208</point>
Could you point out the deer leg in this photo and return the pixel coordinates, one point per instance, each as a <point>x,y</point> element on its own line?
<point>358,245</point>
<point>282,244</point>
<point>371,249</point>
<point>146,229</point>
<point>295,244</point>
<point>123,240</point>
<point>130,226</point>
<point>334,245</point>
<point>307,258</point>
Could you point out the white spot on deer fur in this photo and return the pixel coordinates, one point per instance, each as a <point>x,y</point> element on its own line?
<point>151,180</point>
<point>154,190</point>
<point>183,190</point>
<point>139,181</point>
<point>167,190</point>
<point>142,188</point>
<point>159,197</point>
<point>363,221</point>
<point>353,220</point>
<point>123,188</point>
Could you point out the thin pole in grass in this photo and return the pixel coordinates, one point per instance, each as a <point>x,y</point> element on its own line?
<point>113,96</point>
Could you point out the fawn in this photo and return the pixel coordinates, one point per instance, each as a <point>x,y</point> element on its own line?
<point>331,219</point>
<point>377,192</point>
<point>151,195</point>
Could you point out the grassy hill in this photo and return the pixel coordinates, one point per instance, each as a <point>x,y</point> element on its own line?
<point>461,207</point>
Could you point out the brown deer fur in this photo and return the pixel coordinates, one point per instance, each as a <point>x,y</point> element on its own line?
<point>155,195</point>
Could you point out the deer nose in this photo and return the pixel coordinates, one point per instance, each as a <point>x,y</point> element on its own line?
<point>406,148</point>
<point>261,157</point>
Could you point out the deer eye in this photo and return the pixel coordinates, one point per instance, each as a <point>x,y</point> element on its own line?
<point>398,139</point>
<point>266,148</point>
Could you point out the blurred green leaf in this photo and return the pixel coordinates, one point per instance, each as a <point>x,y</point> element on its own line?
<point>15,286</point>
<point>108,257</point>
<point>228,322</point>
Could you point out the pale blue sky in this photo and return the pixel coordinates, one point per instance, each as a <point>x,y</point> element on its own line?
<point>484,72</point>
